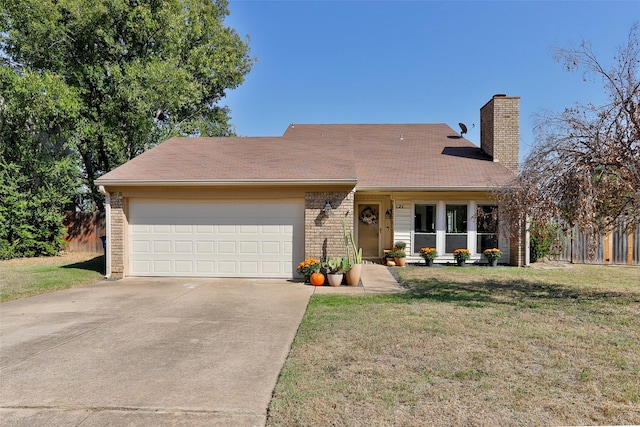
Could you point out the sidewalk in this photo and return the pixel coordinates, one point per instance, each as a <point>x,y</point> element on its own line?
<point>375,279</point>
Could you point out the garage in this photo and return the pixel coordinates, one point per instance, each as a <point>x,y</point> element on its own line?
<point>215,238</point>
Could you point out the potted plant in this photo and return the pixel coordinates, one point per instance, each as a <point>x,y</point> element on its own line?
<point>400,245</point>
<point>428,254</point>
<point>354,257</point>
<point>335,268</point>
<point>461,255</point>
<point>400,257</point>
<point>389,258</point>
<point>310,269</point>
<point>492,256</point>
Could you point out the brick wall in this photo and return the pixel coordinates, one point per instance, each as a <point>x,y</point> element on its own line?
<point>500,130</point>
<point>323,235</point>
<point>518,243</point>
<point>116,245</point>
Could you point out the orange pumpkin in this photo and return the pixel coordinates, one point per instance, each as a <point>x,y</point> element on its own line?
<point>317,279</point>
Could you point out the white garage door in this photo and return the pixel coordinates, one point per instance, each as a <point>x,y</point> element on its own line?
<point>215,238</point>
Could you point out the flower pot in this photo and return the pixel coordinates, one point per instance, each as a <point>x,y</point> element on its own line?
<point>493,263</point>
<point>353,275</point>
<point>390,262</point>
<point>429,262</point>
<point>400,262</point>
<point>335,279</point>
<point>461,262</point>
<point>317,279</point>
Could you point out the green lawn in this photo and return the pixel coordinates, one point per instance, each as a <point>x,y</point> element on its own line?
<point>25,277</point>
<point>470,346</point>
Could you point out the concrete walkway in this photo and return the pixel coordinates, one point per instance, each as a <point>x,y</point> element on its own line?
<point>375,279</point>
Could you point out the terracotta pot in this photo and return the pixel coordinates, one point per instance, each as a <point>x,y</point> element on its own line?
<point>390,262</point>
<point>317,279</point>
<point>335,279</point>
<point>353,275</point>
<point>400,262</point>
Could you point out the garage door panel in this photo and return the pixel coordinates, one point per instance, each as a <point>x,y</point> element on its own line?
<point>248,248</point>
<point>215,238</point>
<point>205,247</point>
<point>183,247</point>
<point>140,246</point>
<point>184,267</point>
<point>272,248</point>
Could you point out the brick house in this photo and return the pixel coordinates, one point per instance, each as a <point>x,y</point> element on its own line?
<point>256,207</point>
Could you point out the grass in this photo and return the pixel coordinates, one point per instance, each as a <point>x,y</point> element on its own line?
<point>24,277</point>
<point>470,346</point>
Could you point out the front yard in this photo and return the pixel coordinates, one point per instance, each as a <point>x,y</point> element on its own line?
<point>23,277</point>
<point>470,346</point>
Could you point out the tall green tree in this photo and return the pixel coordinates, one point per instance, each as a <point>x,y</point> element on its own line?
<point>143,70</point>
<point>38,174</point>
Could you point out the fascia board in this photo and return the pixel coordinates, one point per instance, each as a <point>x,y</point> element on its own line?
<point>230,183</point>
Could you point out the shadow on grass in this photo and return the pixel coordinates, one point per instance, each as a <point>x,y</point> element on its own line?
<point>96,264</point>
<point>507,292</point>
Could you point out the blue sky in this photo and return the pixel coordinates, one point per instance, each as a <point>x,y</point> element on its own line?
<point>415,61</point>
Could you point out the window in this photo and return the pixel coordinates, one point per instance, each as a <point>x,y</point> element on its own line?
<point>487,221</point>
<point>456,236</point>
<point>424,227</point>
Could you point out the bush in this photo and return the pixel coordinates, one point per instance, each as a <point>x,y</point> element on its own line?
<point>31,220</point>
<point>546,241</point>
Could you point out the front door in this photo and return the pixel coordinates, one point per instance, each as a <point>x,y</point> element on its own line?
<point>369,230</point>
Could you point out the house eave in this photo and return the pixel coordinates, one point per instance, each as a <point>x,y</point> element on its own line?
<point>225,183</point>
<point>429,189</point>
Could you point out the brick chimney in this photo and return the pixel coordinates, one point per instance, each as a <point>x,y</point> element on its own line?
<point>500,130</point>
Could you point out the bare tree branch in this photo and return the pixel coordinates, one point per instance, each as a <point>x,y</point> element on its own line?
<point>584,169</point>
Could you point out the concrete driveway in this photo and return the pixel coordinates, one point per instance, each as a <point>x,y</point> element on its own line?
<point>147,352</point>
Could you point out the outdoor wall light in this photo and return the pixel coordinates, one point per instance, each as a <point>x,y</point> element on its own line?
<point>327,209</point>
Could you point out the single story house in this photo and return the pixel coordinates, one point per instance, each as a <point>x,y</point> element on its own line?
<point>257,206</point>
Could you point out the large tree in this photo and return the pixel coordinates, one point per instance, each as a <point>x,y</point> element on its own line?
<point>584,169</point>
<point>143,70</point>
<point>38,174</point>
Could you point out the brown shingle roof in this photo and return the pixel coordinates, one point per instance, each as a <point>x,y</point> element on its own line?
<point>220,160</point>
<point>384,156</point>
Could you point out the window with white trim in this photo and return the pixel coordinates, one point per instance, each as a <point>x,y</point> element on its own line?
<point>424,228</point>
<point>456,232</point>
<point>487,223</point>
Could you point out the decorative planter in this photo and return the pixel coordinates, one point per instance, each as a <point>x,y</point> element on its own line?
<point>400,262</point>
<point>335,279</point>
<point>353,275</point>
<point>461,262</point>
<point>429,262</point>
<point>493,263</point>
<point>317,279</point>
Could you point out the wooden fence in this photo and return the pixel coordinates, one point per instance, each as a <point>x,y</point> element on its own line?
<point>84,231</point>
<point>616,248</point>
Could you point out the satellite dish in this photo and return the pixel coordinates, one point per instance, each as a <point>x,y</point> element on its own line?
<point>463,128</point>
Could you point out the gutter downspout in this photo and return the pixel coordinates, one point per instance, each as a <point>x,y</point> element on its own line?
<point>107,214</point>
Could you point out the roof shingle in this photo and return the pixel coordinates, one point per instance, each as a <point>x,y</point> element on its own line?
<point>385,156</point>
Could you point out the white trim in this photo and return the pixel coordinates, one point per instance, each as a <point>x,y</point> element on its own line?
<point>428,189</point>
<point>107,218</point>
<point>239,182</point>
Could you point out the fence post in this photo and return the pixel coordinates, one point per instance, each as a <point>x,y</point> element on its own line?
<point>630,248</point>
<point>608,248</point>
